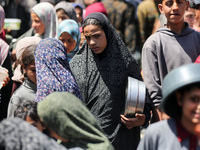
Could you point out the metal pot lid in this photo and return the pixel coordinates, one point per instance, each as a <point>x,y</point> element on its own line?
<point>175,80</point>
<point>135,95</point>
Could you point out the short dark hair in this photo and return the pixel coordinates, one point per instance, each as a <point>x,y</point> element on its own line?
<point>27,108</point>
<point>28,56</point>
<point>182,90</point>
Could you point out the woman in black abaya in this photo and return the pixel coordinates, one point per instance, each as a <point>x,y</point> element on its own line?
<point>101,68</point>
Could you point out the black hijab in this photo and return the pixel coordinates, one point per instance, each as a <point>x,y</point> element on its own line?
<point>102,81</point>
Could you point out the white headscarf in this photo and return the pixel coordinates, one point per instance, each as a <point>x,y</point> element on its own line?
<point>46,12</point>
<point>20,47</point>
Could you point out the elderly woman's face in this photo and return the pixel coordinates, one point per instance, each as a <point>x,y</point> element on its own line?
<point>37,24</point>
<point>95,38</point>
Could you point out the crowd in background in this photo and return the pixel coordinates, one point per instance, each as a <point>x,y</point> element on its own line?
<point>68,66</point>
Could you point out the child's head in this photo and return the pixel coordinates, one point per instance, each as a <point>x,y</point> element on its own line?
<point>189,16</point>
<point>28,63</point>
<point>61,14</point>
<point>28,112</point>
<point>188,99</point>
<point>174,10</point>
<point>69,34</point>
<point>44,20</point>
<point>65,10</point>
<point>79,12</point>
<point>181,93</point>
<point>94,33</point>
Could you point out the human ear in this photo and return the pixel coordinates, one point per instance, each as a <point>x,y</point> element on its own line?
<point>160,7</point>
<point>178,98</point>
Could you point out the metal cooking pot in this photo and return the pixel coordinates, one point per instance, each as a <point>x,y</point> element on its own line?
<point>135,95</point>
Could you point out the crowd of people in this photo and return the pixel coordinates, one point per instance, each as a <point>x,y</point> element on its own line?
<point>67,74</point>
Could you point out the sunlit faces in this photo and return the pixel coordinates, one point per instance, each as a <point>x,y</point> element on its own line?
<point>37,24</point>
<point>31,72</point>
<point>174,10</point>
<point>61,15</point>
<point>189,16</point>
<point>79,14</point>
<point>95,38</point>
<point>68,41</point>
<point>37,124</point>
<point>190,103</point>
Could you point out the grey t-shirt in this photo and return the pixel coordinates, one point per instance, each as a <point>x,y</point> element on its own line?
<point>163,136</point>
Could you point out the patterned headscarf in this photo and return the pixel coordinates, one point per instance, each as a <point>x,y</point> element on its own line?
<point>66,115</point>
<point>46,12</point>
<point>52,69</point>
<point>71,27</point>
<point>16,134</point>
<point>2,17</point>
<point>68,8</point>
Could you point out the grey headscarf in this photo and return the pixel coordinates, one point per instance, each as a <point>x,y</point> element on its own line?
<point>68,8</point>
<point>16,134</point>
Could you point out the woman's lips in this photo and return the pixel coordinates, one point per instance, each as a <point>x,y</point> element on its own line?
<point>94,48</point>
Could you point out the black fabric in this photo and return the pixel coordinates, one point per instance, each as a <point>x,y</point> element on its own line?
<point>102,80</point>
<point>100,18</point>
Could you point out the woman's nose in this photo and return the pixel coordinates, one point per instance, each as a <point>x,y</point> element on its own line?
<point>92,42</point>
<point>33,24</point>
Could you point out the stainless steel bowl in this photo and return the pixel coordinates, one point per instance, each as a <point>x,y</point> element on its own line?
<point>135,97</point>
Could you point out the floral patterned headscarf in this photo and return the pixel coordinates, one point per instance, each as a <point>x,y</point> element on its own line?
<point>71,27</point>
<point>52,69</point>
<point>46,12</point>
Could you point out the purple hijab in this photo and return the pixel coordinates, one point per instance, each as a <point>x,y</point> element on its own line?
<point>52,70</point>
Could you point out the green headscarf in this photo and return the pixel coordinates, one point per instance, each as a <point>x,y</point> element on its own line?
<point>66,115</point>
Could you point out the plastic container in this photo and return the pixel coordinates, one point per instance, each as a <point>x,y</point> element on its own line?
<point>12,23</point>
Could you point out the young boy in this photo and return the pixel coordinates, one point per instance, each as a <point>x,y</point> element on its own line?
<point>181,101</point>
<point>171,46</point>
